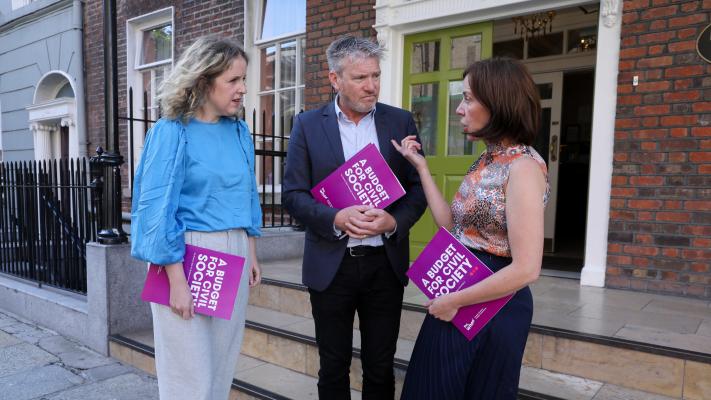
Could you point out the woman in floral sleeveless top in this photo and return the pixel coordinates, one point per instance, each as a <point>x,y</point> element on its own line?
<point>498,214</point>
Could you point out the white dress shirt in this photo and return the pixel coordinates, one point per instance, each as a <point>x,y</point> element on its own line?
<point>354,137</point>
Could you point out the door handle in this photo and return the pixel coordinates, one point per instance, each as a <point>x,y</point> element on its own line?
<point>553,148</point>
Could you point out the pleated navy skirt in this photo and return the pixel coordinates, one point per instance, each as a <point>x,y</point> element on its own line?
<point>445,365</point>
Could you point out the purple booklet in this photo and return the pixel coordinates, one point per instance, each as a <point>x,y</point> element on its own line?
<point>364,179</point>
<point>444,266</point>
<point>213,278</point>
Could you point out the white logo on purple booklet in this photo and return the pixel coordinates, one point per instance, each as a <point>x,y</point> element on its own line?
<point>445,266</point>
<point>213,278</point>
<point>364,179</point>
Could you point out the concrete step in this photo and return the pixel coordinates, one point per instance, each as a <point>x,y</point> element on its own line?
<point>254,378</point>
<point>288,340</point>
<point>280,358</point>
<point>550,352</point>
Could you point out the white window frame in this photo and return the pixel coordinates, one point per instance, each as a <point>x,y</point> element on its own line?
<point>253,46</point>
<point>298,100</point>
<point>134,70</point>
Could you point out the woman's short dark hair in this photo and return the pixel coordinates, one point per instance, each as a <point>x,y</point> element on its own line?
<point>507,90</point>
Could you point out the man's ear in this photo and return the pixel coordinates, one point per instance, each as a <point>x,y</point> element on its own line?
<point>333,77</point>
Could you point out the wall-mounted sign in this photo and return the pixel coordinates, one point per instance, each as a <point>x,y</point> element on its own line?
<point>703,44</point>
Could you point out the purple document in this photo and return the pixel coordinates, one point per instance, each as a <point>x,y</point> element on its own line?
<point>364,179</point>
<point>213,278</point>
<point>446,266</point>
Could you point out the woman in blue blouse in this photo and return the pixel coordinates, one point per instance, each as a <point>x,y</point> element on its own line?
<point>195,184</point>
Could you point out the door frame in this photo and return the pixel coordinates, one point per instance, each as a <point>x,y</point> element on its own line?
<point>394,19</point>
<point>447,170</point>
<point>555,104</point>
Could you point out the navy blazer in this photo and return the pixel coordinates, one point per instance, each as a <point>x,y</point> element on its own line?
<point>315,150</point>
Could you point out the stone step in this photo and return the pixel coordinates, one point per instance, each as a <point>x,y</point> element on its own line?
<point>608,360</point>
<point>254,378</point>
<point>287,353</point>
<point>288,340</point>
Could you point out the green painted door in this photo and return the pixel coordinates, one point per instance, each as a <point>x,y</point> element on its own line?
<point>432,89</point>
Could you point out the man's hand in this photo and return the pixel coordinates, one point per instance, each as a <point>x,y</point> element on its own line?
<point>376,222</point>
<point>352,213</point>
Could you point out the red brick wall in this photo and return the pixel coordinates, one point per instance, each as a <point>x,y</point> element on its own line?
<point>660,213</point>
<point>326,21</point>
<point>94,73</point>
<point>191,18</point>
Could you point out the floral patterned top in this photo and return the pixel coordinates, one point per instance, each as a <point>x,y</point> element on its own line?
<point>479,206</point>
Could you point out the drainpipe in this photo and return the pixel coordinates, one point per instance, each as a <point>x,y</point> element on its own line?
<point>110,229</point>
<point>79,94</point>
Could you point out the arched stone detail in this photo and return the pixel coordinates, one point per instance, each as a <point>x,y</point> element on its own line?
<point>48,113</point>
<point>50,84</point>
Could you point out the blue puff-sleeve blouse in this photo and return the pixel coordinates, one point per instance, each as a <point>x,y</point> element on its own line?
<point>197,176</point>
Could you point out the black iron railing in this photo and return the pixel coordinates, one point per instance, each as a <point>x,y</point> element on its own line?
<point>270,161</point>
<point>270,157</point>
<point>47,216</point>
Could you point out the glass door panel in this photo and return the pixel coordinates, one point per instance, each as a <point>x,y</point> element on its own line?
<point>432,89</point>
<point>424,111</point>
<point>425,57</point>
<point>465,51</point>
<point>457,143</point>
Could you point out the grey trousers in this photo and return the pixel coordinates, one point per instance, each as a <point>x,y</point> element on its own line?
<point>196,359</point>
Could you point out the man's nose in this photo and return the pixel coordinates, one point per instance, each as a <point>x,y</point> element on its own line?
<point>370,85</point>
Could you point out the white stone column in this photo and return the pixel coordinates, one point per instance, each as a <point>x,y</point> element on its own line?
<point>603,142</point>
<point>390,63</point>
<point>41,135</point>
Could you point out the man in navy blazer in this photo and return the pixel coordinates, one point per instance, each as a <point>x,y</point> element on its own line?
<point>355,258</point>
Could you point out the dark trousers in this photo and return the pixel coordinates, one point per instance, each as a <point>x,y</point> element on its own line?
<point>369,286</point>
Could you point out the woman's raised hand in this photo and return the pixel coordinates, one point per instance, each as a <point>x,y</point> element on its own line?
<point>409,147</point>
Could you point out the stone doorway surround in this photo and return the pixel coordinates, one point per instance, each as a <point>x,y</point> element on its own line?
<point>51,109</point>
<point>396,18</point>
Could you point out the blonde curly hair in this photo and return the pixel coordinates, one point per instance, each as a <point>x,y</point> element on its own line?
<point>185,89</point>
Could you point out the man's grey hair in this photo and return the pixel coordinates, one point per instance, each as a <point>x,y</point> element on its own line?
<point>351,47</point>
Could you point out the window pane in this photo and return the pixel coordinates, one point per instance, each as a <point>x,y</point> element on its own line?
<point>300,107</point>
<point>157,44</point>
<point>465,51</point>
<point>282,17</point>
<point>509,48</point>
<point>302,56</point>
<point>580,40</point>
<point>287,64</point>
<point>266,68</point>
<point>287,102</point>
<point>457,143</point>
<point>152,79</point>
<point>266,115</point>
<point>65,91</point>
<point>424,111</point>
<point>546,45</point>
<point>150,95</point>
<point>425,57</point>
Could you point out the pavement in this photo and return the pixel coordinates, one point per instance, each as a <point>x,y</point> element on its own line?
<point>39,364</point>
